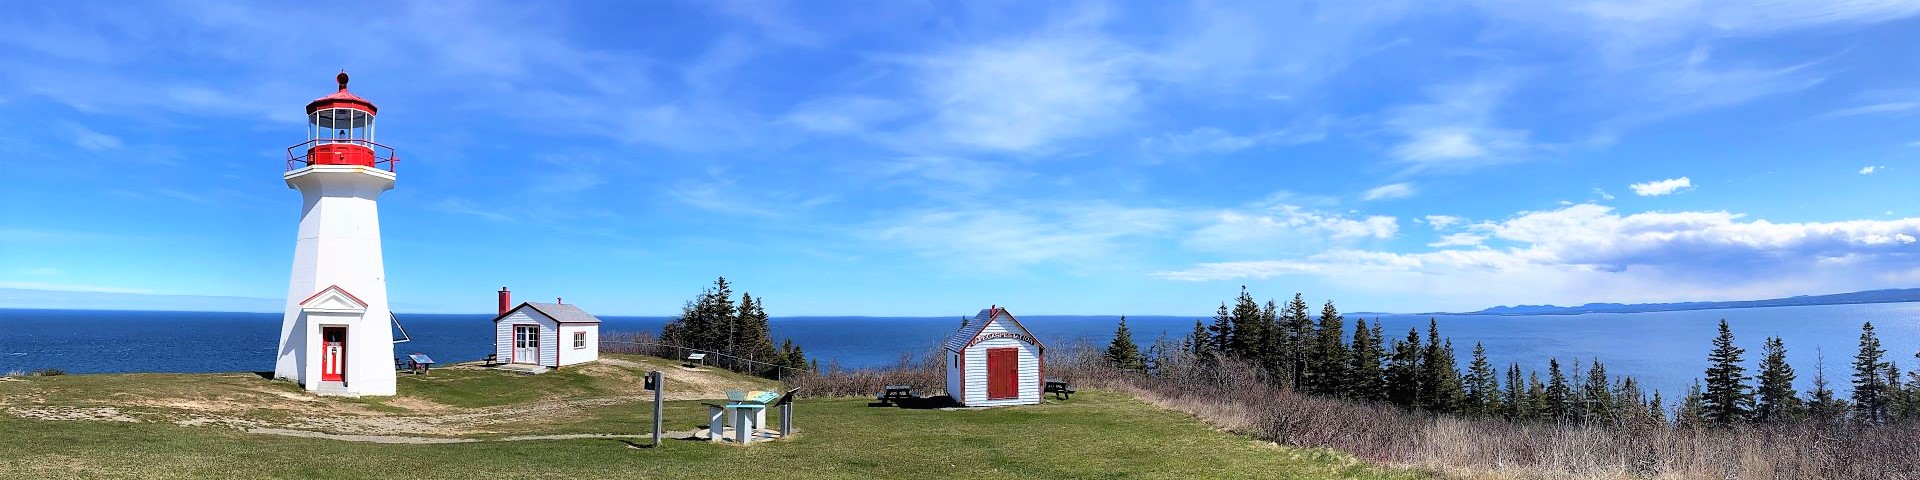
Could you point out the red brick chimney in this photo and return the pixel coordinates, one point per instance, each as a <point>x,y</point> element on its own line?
<point>506,300</point>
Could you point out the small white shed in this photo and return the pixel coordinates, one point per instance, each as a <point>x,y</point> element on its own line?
<point>546,334</point>
<point>993,360</point>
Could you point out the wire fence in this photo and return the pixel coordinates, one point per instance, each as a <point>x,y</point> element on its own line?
<point>645,345</point>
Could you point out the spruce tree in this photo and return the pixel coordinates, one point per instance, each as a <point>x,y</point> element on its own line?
<point>1539,404</point>
<point>1121,352</point>
<point>1559,394</point>
<point>1515,406</point>
<point>1327,371</point>
<point>1297,329</point>
<point>1693,409</point>
<point>1483,384</point>
<point>1869,386</point>
<point>1249,330</point>
<point>753,337</point>
<point>1439,375</point>
<point>1727,398</point>
<point>1199,343</point>
<point>1403,371</point>
<point>1365,379</point>
<point>1777,399</point>
<point>1821,402</point>
<point>1896,396</point>
<point>1220,334</point>
<point>1657,409</point>
<point>1596,399</point>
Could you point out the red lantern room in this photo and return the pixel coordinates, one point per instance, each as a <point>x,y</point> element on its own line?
<point>340,132</point>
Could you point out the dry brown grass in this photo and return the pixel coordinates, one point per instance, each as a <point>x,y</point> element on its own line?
<point>1237,398</point>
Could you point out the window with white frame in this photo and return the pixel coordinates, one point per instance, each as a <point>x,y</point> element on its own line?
<point>579,340</point>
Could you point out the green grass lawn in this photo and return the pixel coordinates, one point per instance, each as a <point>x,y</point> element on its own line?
<point>1094,435</point>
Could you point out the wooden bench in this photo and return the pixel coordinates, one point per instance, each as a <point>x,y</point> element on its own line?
<point>695,360</point>
<point>491,360</point>
<point>890,393</point>
<point>1058,389</point>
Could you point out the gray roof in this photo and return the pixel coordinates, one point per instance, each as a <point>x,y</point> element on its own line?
<point>564,312</point>
<point>965,335</point>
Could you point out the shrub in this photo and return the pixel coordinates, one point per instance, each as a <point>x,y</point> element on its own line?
<point>49,372</point>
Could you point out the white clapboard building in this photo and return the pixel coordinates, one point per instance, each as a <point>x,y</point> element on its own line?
<point>993,360</point>
<point>546,334</point>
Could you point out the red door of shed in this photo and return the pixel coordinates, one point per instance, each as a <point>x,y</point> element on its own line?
<point>1003,373</point>
<point>333,354</point>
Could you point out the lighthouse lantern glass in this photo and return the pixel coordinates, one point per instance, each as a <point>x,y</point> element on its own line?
<point>341,125</point>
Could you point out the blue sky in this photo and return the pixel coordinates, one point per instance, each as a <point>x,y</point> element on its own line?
<point>911,158</point>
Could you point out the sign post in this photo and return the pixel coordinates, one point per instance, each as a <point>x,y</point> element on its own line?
<point>655,382</point>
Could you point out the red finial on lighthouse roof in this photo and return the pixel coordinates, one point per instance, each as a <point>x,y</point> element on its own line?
<point>342,99</point>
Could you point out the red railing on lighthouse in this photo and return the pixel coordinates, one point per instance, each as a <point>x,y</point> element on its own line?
<point>316,151</point>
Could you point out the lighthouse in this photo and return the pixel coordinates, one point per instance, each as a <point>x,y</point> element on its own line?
<point>337,335</point>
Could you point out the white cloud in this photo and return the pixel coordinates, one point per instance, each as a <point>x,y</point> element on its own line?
<point>1598,192</point>
<point>1284,228</point>
<point>1441,222</point>
<point>1587,252</point>
<point>1214,140</point>
<point>1456,131</point>
<point>1889,107</point>
<point>1079,235</point>
<point>94,141</point>
<point>1870,169</point>
<point>1024,95</point>
<point>1462,239</point>
<point>1661,187</point>
<point>1389,191</point>
<point>844,115</point>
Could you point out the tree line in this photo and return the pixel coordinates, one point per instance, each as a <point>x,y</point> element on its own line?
<point>712,322</point>
<point>1315,355</point>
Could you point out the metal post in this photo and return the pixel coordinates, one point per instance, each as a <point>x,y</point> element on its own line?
<point>786,419</point>
<point>659,387</point>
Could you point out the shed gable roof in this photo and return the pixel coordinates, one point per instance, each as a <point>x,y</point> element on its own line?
<point>979,323</point>
<point>559,312</point>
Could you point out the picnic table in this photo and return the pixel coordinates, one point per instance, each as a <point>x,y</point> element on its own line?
<point>1058,388</point>
<point>895,392</point>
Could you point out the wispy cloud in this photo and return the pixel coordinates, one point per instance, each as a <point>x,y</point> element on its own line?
<point>1456,130</point>
<point>1080,236</point>
<point>1661,187</point>
<point>1441,222</point>
<point>1215,140</point>
<point>1462,239</point>
<point>1890,107</point>
<point>1389,191</point>
<point>1025,94</point>
<point>1870,169</point>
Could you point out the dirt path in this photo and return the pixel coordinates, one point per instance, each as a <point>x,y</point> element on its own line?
<point>403,439</point>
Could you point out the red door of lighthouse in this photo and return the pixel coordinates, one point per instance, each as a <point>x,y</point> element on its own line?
<point>1003,373</point>
<point>333,354</point>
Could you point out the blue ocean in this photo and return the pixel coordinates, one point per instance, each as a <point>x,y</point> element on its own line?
<point>1665,350</point>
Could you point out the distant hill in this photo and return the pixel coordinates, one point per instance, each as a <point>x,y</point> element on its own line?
<point>1896,295</point>
<point>70,300</point>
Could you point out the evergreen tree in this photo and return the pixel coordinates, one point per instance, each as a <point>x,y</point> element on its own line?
<point>753,338</point>
<point>1403,371</point>
<point>1559,395</point>
<point>1727,398</point>
<point>1908,403</point>
<point>1596,400</point>
<point>1896,396</point>
<point>1220,334</point>
<point>706,323</point>
<point>1199,342</point>
<point>1273,349</point>
<point>1657,409</point>
<point>1538,403</point>
<point>1249,331</point>
<point>1869,386</point>
<point>1328,363</point>
<point>1822,405</point>
<point>1122,353</point>
<point>1515,406</point>
<point>1296,330</point>
<point>1439,375</point>
<point>1693,409</point>
<point>1483,384</point>
<point>1777,399</point>
<point>1365,379</point>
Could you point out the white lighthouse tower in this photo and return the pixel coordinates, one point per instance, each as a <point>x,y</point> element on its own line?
<point>337,336</point>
